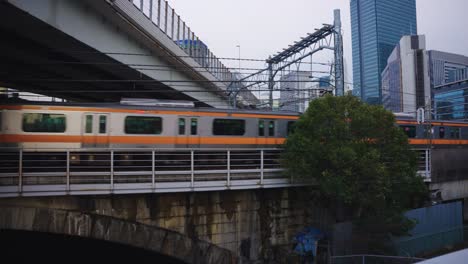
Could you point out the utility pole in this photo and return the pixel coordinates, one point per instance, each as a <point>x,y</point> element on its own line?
<point>270,83</point>
<point>339,67</point>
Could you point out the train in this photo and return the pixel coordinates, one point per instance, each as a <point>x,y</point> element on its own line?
<point>72,126</point>
<point>75,126</point>
<point>40,129</point>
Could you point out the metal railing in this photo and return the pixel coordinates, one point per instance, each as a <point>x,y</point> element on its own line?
<point>424,163</point>
<point>160,13</point>
<point>103,171</point>
<point>373,259</point>
<point>433,243</point>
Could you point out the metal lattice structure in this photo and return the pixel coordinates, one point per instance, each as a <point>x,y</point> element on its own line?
<point>327,37</point>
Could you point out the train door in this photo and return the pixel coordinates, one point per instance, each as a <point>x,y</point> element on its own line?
<point>194,132</point>
<point>188,134</point>
<point>266,132</point>
<point>95,130</point>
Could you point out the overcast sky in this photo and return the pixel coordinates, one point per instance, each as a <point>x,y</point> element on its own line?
<point>264,27</point>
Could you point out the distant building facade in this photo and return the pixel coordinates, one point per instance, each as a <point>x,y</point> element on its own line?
<point>376,27</point>
<point>451,101</point>
<point>458,75</point>
<point>447,67</point>
<point>449,83</point>
<point>293,93</point>
<point>406,79</point>
<point>416,78</point>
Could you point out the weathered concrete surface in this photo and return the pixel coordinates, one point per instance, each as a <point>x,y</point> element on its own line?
<point>107,228</point>
<point>256,225</point>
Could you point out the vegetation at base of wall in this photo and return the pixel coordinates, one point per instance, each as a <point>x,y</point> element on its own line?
<point>360,163</point>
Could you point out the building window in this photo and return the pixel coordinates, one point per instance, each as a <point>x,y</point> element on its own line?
<point>50,123</point>
<point>271,128</point>
<point>229,127</point>
<point>89,124</point>
<point>181,126</point>
<point>193,126</point>
<point>410,131</point>
<point>143,125</point>
<point>261,128</point>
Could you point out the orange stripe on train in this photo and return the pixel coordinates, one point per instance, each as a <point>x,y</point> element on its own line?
<point>136,111</point>
<point>141,140</point>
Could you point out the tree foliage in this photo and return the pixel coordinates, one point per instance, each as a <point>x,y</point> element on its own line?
<point>358,158</point>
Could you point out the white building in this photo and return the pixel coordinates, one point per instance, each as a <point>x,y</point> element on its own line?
<point>293,93</point>
<point>406,82</point>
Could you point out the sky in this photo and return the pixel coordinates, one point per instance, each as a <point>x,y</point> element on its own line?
<point>263,27</point>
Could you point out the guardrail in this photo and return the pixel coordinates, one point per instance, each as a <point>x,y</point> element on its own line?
<point>424,163</point>
<point>104,171</point>
<point>160,13</point>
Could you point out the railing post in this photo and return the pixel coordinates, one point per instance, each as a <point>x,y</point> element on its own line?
<point>192,165</point>
<point>363,259</point>
<point>153,172</point>
<point>172,25</point>
<point>20,172</point>
<point>427,163</point>
<point>261,167</point>
<point>159,14</point>
<point>178,29</point>
<point>151,10</point>
<point>228,169</point>
<point>112,171</point>
<point>165,18</point>
<point>68,172</point>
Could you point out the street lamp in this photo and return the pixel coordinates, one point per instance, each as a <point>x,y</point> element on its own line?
<point>238,46</point>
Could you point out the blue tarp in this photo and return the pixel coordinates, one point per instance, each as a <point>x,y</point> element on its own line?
<point>306,241</point>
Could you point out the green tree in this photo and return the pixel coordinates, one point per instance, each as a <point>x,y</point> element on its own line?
<point>359,161</point>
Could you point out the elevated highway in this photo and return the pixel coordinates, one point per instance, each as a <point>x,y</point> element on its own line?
<point>105,50</point>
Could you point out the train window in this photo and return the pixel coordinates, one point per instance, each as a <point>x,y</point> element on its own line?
<point>441,132</point>
<point>102,124</point>
<point>89,124</point>
<point>410,131</point>
<point>231,127</point>
<point>143,125</point>
<point>261,128</point>
<point>291,125</point>
<point>193,126</point>
<point>428,131</point>
<point>50,123</point>
<point>271,128</point>
<point>181,126</point>
<point>454,132</point>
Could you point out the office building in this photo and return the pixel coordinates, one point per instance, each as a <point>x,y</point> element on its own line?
<point>447,67</point>
<point>405,80</point>
<point>376,27</point>
<point>451,101</point>
<point>293,93</point>
<point>457,75</point>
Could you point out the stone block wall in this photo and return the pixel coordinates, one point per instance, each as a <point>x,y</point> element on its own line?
<point>254,224</point>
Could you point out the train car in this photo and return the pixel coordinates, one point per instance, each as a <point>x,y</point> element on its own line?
<point>39,126</point>
<point>84,128</point>
<point>76,126</point>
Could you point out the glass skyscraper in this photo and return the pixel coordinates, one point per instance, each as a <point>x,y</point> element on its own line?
<point>376,27</point>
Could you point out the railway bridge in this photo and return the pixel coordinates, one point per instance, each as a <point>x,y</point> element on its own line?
<point>238,207</point>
